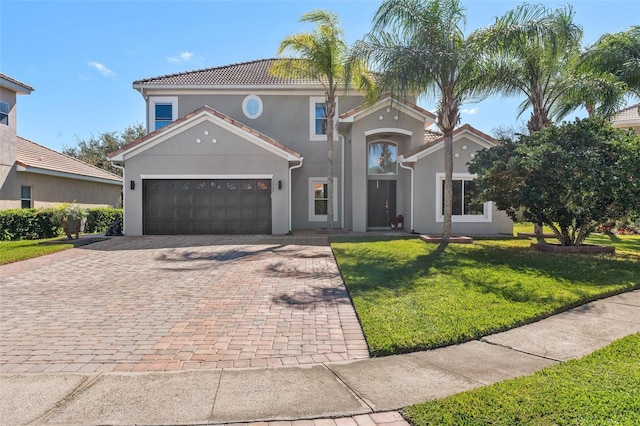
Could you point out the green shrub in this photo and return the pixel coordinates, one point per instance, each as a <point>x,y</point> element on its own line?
<point>99,219</point>
<point>28,224</point>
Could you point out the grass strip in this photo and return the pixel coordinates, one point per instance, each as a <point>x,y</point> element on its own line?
<point>601,388</point>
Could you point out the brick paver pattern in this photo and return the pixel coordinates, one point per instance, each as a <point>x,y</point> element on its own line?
<point>157,303</point>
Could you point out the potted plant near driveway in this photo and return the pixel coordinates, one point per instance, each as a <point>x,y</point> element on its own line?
<point>72,219</point>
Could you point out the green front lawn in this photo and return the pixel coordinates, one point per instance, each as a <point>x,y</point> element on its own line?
<point>14,251</point>
<point>601,388</point>
<point>412,296</point>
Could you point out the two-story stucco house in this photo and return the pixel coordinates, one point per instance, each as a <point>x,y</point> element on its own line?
<point>234,149</point>
<point>32,175</point>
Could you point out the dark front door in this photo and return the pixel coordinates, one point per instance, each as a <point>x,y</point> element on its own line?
<point>381,202</point>
<point>207,206</point>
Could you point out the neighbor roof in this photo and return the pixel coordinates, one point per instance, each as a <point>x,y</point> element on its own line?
<point>207,110</point>
<point>253,73</point>
<point>15,85</point>
<point>35,158</point>
<point>629,114</point>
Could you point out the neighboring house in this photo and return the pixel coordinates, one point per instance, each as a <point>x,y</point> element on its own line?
<point>628,118</point>
<point>234,149</point>
<point>32,175</point>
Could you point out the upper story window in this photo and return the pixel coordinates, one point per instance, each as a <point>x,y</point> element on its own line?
<point>382,158</point>
<point>252,107</point>
<point>4,113</point>
<point>318,120</point>
<point>464,208</point>
<point>162,111</point>
<point>164,115</point>
<point>25,197</point>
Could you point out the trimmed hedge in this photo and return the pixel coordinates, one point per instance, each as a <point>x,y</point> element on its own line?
<point>36,224</point>
<point>99,219</point>
<point>28,224</point>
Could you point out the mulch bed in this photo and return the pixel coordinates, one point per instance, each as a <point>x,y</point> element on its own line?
<point>557,248</point>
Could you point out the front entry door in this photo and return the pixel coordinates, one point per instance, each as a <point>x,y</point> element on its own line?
<point>381,202</point>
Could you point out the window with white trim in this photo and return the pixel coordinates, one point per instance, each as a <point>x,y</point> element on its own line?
<point>252,106</point>
<point>464,208</point>
<point>318,120</point>
<point>162,111</point>
<point>4,113</point>
<point>319,199</point>
<point>25,197</point>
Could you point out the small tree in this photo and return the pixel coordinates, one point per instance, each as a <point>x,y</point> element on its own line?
<point>570,177</point>
<point>95,149</point>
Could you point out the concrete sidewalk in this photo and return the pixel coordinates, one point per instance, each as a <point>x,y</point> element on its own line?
<point>327,390</point>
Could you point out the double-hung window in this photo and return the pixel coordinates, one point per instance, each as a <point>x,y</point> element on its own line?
<point>25,197</point>
<point>464,208</point>
<point>4,113</point>
<point>318,121</point>
<point>162,111</point>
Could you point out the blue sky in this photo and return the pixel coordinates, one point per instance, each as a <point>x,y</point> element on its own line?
<point>82,56</point>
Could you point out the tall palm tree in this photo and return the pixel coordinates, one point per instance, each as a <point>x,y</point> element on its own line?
<point>529,52</point>
<point>321,55</point>
<point>618,54</point>
<point>417,48</point>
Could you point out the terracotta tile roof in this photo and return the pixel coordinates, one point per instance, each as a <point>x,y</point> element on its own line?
<point>431,135</point>
<point>382,99</point>
<point>215,113</point>
<point>631,113</point>
<point>241,74</point>
<point>440,138</point>
<point>16,82</point>
<point>32,155</point>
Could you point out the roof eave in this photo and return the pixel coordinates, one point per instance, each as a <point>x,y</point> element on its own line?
<point>48,172</point>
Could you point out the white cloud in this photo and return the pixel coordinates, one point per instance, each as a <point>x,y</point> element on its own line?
<point>83,77</point>
<point>103,69</point>
<point>183,57</point>
<point>470,111</point>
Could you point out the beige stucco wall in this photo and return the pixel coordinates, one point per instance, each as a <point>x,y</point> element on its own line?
<point>425,195</point>
<point>8,142</point>
<point>49,191</point>
<point>180,156</point>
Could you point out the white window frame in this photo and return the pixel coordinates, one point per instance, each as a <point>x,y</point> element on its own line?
<point>30,199</point>
<point>487,207</point>
<point>246,112</point>
<point>313,217</point>
<point>313,100</point>
<point>151,121</point>
<point>8,107</point>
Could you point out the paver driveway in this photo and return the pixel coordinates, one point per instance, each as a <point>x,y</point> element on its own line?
<point>176,303</point>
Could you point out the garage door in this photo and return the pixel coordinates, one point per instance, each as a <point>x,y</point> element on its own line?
<point>207,206</point>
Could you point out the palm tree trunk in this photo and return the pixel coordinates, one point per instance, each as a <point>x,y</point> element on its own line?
<point>331,110</point>
<point>448,184</point>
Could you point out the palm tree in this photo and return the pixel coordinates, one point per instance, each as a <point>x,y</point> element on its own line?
<point>618,54</point>
<point>530,51</point>
<point>418,48</point>
<point>321,55</point>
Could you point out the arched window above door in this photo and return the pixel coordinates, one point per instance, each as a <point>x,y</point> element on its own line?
<point>382,158</point>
